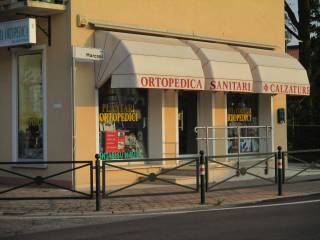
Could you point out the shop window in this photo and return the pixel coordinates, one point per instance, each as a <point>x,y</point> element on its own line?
<point>30,107</point>
<point>123,123</point>
<point>242,111</point>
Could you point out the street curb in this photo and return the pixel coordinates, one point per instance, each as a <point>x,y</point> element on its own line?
<point>21,215</point>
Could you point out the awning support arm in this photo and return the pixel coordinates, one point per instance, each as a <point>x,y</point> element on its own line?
<point>46,32</point>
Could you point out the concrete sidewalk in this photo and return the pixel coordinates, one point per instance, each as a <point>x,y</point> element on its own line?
<point>160,198</point>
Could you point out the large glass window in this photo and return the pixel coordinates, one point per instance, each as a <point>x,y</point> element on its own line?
<point>123,123</point>
<point>242,111</point>
<point>30,107</point>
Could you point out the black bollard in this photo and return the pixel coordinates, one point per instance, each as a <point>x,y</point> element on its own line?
<point>98,195</point>
<point>202,179</point>
<point>279,178</point>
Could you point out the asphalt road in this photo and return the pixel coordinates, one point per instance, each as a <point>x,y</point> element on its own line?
<point>273,222</point>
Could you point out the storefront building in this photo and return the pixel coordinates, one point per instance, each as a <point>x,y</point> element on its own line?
<point>133,80</point>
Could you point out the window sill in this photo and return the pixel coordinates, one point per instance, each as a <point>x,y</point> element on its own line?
<point>40,164</point>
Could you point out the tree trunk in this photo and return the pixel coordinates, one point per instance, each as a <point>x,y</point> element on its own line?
<point>305,47</point>
<point>304,34</point>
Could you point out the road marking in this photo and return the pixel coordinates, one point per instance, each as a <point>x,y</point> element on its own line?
<point>252,206</point>
<point>225,209</point>
<point>133,215</point>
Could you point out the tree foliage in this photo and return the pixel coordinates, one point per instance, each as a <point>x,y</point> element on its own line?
<point>306,28</point>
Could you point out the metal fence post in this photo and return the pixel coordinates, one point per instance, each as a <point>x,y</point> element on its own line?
<point>283,168</point>
<point>279,171</point>
<point>202,179</point>
<point>239,150</point>
<point>207,173</point>
<point>98,195</point>
<point>276,167</point>
<point>91,181</point>
<point>198,173</point>
<point>103,178</point>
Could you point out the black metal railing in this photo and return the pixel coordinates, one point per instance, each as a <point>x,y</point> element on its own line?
<point>302,166</point>
<point>155,176</point>
<point>21,179</point>
<point>262,169</point>
<point>236,166</point>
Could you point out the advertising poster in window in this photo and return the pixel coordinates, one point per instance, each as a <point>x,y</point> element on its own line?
<point>242,111</point>
<point>122,123</point>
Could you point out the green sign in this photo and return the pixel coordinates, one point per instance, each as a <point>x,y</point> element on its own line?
<point>119,155</point>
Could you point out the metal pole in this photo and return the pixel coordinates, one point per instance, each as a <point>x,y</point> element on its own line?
<point>103,178</point>
<point>283,168</point>
<point>207,141</point>
<point>91,180</point>
<point>238,163</point>
<point>276,167</point>
<point>198,173</point>
<point>267,163</point>
<point>267,138</point>
<point>279,171</point>
<point>98,195</point>
<point>206,162</point>
<point>73,111</point>
<point>202,179</point>
<point>207,173</point>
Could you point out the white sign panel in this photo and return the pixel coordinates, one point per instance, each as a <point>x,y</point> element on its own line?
<point>88,54</point>
<point>18,32</point>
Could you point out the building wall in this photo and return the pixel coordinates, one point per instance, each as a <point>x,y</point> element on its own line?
<point>220,101</point>
<point>59,88</point>
<point>58,82</point>
<point>155,123</point>
<point>247,20</point>
<point>206,117</point>
<point>280,130</point>
<point>171,141</point>
<point>5,105</point>
<point>293,51</point>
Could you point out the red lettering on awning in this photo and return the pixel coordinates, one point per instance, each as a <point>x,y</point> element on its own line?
<point>171,82</point>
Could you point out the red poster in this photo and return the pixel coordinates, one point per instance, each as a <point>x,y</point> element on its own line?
<point>114,141</point>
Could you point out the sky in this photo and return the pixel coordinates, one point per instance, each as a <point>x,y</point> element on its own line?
<point>294,5</point>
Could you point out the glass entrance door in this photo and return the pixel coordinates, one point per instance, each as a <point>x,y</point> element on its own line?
<point>187,102</point>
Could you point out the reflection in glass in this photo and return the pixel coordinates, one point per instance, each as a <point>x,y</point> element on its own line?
<point>242,111</point>
<point>30,103</point>
<point>122,123</point>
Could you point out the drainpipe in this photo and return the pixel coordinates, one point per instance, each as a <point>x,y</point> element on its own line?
<point>73,111</point>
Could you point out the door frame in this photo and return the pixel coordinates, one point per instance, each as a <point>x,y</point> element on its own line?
<point>177,125</point>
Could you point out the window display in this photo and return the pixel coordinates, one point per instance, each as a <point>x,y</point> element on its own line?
<point>242,111</point>
<point>30,103</point>
<point>122,123</point>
